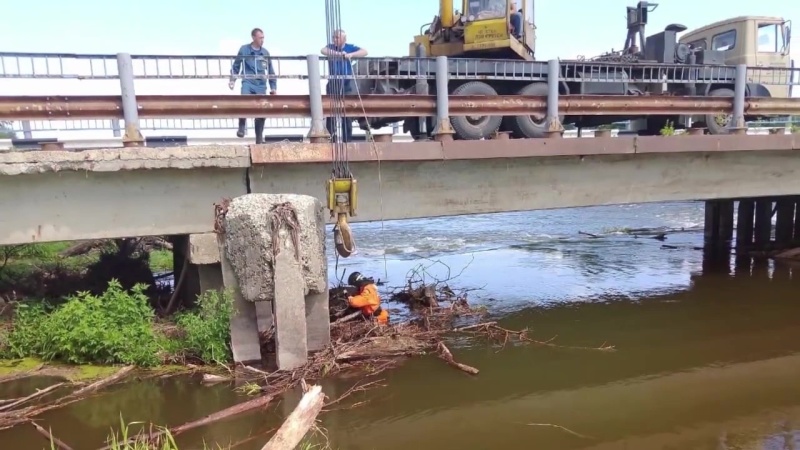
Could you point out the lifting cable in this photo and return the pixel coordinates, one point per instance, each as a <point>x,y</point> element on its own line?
<point>342,188</point>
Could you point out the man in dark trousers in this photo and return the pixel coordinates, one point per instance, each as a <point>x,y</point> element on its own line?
<point>254,62</point>
<point>341,49</point>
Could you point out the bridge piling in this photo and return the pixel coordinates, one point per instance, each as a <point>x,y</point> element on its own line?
<point>745,213</point>
<point>718,227</point>
<point>784,221</point>
<point>763,223</point>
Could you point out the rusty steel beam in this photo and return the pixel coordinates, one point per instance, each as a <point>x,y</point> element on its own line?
<point>188,106</point>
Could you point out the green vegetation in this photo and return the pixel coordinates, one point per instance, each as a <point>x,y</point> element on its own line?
<point>118,327</point>
<point>6,130</point>
<point>55,269</point>
<point>669,129</point>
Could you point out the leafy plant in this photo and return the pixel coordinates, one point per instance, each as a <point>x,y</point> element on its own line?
<point>207,329</point>
<point>115,327</point>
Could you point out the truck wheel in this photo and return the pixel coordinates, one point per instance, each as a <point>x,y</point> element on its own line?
<point>533,126</point>
<point>475,127</point>
<point>719,123</point>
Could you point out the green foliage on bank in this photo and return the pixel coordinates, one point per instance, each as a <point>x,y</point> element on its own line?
<point>118,327</point>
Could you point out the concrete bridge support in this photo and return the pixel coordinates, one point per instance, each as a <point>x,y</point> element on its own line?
<point>718,230</point>
<point>754,229</point>
<point>285,292</point>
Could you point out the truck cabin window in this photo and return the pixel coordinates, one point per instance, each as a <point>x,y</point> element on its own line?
<point>770,38</point>
<point>486,9</point>
<point>724,41</point>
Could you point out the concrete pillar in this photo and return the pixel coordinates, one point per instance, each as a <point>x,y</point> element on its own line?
<point>796,234</point>
<point>784,222</point>
<point>745,213</point>
<point>763,222</point>
<point>711,224</point>
<point>725,221</point>
<point>719,222</point>
<point>291,337</point>
<point>261,235</point>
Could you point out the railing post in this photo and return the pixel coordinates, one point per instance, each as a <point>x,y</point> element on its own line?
<point>318,133</point>
<point>26,129</point>
<point>739,88</point>
<point>130,109</point>
<point>443,130</point>
<point>554,126</point>
<point>421,87</point>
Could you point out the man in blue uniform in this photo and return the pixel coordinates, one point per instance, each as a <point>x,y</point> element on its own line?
<point>255,63</point>
<point>341,66</point>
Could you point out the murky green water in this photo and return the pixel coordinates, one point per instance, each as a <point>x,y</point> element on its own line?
<point>708,355</point>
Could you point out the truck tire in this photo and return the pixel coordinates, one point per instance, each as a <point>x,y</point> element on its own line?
<point>529,126</point>
<point>711,119</point>
<point>475,127</point>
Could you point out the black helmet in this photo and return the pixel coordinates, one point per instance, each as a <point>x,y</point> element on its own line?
<point>356,279</point>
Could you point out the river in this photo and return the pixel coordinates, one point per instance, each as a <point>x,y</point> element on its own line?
<point>708,355</point>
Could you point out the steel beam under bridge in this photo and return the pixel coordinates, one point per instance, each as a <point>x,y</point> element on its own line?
<point>68,195</point>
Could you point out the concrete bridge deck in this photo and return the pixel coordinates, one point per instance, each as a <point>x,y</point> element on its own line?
<point>121,192</point>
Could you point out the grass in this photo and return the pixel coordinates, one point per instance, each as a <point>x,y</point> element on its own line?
<point>124,439</point>
<point>160,261</point>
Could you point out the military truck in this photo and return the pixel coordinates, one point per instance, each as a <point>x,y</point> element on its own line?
<point>658,64</point>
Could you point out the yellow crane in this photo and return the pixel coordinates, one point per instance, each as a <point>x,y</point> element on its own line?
<point>483,29</point>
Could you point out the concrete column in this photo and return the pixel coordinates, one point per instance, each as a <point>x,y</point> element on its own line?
<point>745,213</point>
<point>718,228</point>
<point>245,342</point>
<point>763,222</point>
<point>711,224</point>
<point>784,222</point>
<point>291,336</point>
<point>725,221</point>
<point>261,232</point>
<point>796,234</point>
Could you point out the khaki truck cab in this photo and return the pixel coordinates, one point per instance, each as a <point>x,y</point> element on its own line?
<point>756,41</point>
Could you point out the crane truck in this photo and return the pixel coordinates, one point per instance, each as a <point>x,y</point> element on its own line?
<point>488,56</point>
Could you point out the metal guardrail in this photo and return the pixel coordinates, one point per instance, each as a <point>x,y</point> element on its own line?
<point>129,68</point>
<point>224,106</point>
<point>194,67</point>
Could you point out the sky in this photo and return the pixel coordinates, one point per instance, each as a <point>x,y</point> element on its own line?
<point>183,27</point>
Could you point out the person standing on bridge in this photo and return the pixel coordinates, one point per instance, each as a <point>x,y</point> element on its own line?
<point>254,62</point>
<point>340,54</point>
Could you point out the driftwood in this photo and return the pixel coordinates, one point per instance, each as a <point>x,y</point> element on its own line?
<point>35,395</point>
<point>12,418</point>
<point>50,438</point>
<point>226,413</point>
<point>298,423</point>
<point>448,357</point>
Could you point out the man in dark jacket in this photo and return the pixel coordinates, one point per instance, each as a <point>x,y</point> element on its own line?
<point>254,63</point>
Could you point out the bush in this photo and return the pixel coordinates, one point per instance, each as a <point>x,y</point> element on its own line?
<point>207,330</point>
<point>114,327</point>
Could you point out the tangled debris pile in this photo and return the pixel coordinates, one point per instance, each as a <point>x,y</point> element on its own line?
<point>361,346</point>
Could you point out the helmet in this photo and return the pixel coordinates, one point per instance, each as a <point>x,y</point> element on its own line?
<point>356,279</point>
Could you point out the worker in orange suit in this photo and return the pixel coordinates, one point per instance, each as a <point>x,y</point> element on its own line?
<point>367,300</point>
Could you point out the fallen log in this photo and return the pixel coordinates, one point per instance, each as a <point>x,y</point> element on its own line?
<point>448,358</point>
<point>226,413</point>
<point>50,438</point>
<point>37,394</point>
<point>298,423</point>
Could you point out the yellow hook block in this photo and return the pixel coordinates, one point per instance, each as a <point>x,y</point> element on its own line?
<point>342,201</point>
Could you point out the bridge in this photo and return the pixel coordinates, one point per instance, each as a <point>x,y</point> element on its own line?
<point>140,189</point>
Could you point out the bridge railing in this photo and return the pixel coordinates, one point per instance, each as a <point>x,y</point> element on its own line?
<point>307,74</point>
